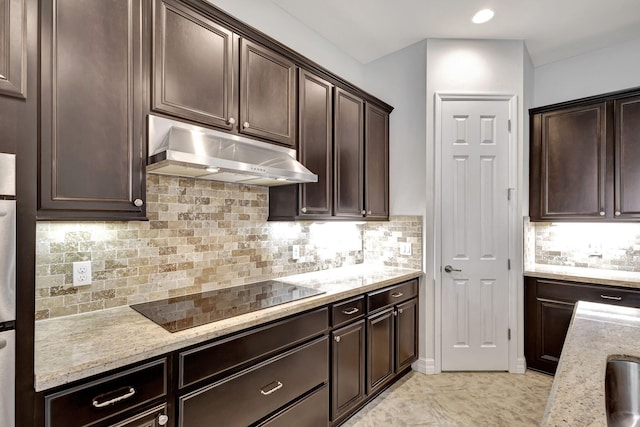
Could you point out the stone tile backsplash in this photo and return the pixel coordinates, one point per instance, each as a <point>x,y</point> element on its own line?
<point>606,246</point>
<point>201,235</point>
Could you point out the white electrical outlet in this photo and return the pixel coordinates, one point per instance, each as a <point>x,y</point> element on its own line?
<point>405,248</point>
<point>296,252</point>
<point>81,273</point>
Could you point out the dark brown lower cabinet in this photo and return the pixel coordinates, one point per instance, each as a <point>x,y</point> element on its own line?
<point>380,343</point>
<point>406,333</point>
<point>347,368</point>
<point>548,310</point>
<point>155,417</point>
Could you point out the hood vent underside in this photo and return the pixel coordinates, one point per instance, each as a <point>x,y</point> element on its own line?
<point>181,149</point>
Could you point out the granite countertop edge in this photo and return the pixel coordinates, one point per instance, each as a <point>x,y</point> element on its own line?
<point>585,275</point>
<point>73,348</point>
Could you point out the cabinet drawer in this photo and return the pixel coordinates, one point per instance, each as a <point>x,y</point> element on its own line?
<point>88,404</point>
<point>249,396</point>
<point>312,411</point>
<point>239,350</point>
<point>347,311</point>
<point>395,294</point>
<point>573,292</point>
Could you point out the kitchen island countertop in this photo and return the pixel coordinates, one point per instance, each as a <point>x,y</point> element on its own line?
<point>597,333</point>
<point>76,347</point>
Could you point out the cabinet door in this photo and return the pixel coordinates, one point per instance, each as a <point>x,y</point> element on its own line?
<point>348,155</point>
<point>568,176</point>
<point>92,148</point>
<point>315,114</point>
<point>546,323</point>
<point>627,157</point>
<point>193,66</point>
<point>406,334</point>
<point>380,349</point>
<point>347,369</point>
<point>267,94</point>
<point>376,168</point>
<point>13,48</point>
<point>155,417</point>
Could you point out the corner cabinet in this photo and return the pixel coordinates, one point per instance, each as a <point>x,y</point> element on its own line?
<point>92,146</point>
<point>583,159</point>
<point>548,309</point>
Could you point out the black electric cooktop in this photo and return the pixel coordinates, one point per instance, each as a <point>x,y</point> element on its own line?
<point>184,312</point>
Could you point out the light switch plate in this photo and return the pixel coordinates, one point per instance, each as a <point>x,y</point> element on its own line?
<point>296,252</point>
<point>405,248</point>
<point>81,273</point>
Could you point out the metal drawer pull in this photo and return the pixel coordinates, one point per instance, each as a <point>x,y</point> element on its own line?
<point>397,295</point>
<point>276,388</point>
<point>610,297</point>
<point>351,310</point>
<point>130,392</point>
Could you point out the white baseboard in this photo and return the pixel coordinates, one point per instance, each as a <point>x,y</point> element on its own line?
<point>425,366</point>
<point>521,366</point>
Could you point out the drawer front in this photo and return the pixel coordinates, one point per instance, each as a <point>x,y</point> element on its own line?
<point>90,403</point>
<point>389,296</point>
<point>312,411</point>
<point>239,350</point>
<point>346,311</point>
<point>573,292</point>
<point>251,395</point>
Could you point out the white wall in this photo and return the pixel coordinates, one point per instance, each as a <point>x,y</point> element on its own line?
<point>605,70</point>
<point>465,67</point>
<point>281,26</point>
<point>399,79</point>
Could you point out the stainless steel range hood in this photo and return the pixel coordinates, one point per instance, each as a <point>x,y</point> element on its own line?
<point>181,149</point>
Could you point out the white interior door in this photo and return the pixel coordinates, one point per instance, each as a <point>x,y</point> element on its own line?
<point>475,232</point>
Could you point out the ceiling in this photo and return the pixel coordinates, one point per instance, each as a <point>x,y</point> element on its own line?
<point>551,29</point>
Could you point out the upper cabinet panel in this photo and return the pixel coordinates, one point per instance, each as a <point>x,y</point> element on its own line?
<point>13,59</point>
<point>267,94</point>
<point>376,169</point>
<point>92,120</point>
<point>627,163</point>
<point>193,66</point>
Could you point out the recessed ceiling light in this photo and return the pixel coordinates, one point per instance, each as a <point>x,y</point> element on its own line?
<point>211,169</point>
<point>482,16</point>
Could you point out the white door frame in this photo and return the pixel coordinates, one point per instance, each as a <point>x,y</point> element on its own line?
<point>516,364</point>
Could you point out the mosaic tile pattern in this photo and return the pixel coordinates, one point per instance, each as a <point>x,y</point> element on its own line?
<point>607,246</point>
<point>201,235</point>
<point>451,399</point>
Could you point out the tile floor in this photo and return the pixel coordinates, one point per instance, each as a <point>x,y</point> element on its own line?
<point>451,399</point>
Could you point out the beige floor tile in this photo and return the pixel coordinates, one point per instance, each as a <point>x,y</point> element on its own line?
<point>455,399</point>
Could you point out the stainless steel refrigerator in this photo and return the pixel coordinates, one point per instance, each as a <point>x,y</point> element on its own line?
<point>7,288</point>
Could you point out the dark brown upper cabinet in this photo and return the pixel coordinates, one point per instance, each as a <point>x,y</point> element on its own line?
<point>267,94</point>
<point>348,161</point>
<point>315,143</point>
<point>92,147</point>
<point>376,168</point>
<point>627,157</point>
<point>584,157</point>
<point>13,48</point>
<point>315,151</point>
<point>195,64</point>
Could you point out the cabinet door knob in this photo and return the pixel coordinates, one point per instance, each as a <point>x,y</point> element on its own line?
<point>601,213</point>
<point>337,338</point>
<point>138,202</point>
<point>246,125</point>
<point>163,420</point>
<point>368,212</point>
<point>617,213</point>
<point>401,310</point>
<point>303,210</point>
<point>231,121</point>
<point>363,212</point>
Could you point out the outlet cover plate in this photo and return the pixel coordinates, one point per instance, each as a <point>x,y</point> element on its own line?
<point>81,273</point>
<point>405,248</point>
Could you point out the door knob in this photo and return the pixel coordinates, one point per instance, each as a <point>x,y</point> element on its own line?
<point>449,269</point>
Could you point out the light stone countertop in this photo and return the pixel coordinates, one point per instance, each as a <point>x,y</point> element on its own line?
<point>597,332</point>
<point>626,279</point>
<point>75,347</point>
